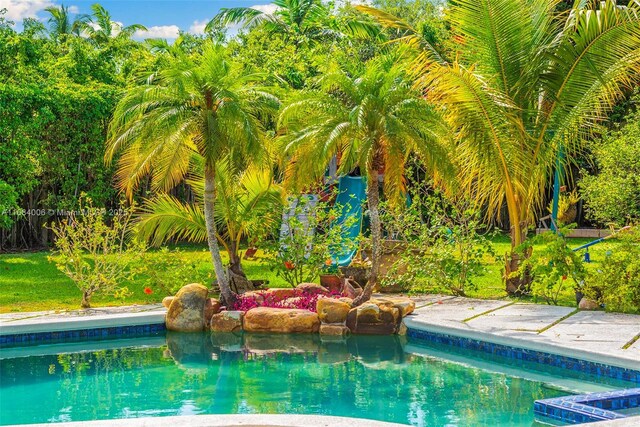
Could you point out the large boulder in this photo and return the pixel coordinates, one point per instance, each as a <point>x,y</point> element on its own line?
<point>372,319</point>
<point>211,307</point>
<point>349,291</point>
<point>166,301</point>
<point>331,310</point>
<point>227,321</point>
<point>281,320</point>
<point>186,312</point>
<point>403,304</point>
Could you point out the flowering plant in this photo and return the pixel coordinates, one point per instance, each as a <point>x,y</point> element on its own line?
<point>301,299</point>
<point>310,235</point>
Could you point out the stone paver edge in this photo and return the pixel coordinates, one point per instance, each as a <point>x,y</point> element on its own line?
<point>538,345</point>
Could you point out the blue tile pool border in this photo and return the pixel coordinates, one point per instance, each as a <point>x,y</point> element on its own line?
<point>590,407</point>
<point>78,334</point>
<point>574,409</point>
<point>564,362</point>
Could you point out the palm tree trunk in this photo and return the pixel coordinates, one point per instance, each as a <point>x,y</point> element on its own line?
<point>227,297</point>
<point>518,284</point>
<point>373,199</point>
<point>238,281</point>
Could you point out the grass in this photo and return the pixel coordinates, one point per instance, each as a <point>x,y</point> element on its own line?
<point>29,282</point>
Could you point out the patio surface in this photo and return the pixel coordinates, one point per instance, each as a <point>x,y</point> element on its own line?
<point>597,336</point>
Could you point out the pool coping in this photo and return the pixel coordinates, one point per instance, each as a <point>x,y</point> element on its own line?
<point>589,407</point>
<point>572,409</point>
<point>98,323</point>
<point>220,420</point>
<point>520,343</point>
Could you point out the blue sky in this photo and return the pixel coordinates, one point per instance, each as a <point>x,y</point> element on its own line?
<point>162,18</point>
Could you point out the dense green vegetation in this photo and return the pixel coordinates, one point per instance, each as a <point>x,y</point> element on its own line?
<point>208,135</point>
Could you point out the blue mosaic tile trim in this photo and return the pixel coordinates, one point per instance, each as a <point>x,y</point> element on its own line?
<point>109,332</point>
<point>564,362</point>
<point>588,407</point>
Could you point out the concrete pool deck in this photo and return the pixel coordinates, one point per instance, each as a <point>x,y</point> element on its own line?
<point>596,336</point>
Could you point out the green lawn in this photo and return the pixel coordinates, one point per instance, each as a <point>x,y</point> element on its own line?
<point>29,282</point>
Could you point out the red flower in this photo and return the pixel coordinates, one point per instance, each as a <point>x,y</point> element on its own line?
<point>148,291</point>
<point>289,265</point>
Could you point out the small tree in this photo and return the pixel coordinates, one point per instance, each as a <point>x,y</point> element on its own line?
<point>311,235</point>
<point>444,247</point>
<point>552,268</point>
<point>613,195</point>
<point>94,254</point>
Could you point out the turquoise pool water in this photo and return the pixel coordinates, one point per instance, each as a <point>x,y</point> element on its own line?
<point>384,378</point>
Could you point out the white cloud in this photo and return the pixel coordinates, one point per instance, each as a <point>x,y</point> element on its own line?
<point>17,10</point>
<point>74,9</point>
<point>198,26</point>
<point>158,32</point>
<point>269,9</point>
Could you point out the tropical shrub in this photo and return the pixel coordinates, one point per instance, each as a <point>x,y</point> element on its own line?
<point>8,204</point>
<point>300,300</point>
<point>96,255</point>
<point>445,250</point>
<point>616,282</point>
<point>310,235</point>
<point>527,85</point>
<point>167,270</point>
<point>553,268</point>
<point>613,194</point>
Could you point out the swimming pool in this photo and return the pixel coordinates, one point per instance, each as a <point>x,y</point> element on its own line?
<point>389,378</point>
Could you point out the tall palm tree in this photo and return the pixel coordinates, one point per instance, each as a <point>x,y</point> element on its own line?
<point>100,28</point>
<point>248,204</point>
<point>300,20</point>
<point>196,107</point>
<point>60,23</point>
<point>528,87</point>
<point>371,119</point>
<point>296,18</point>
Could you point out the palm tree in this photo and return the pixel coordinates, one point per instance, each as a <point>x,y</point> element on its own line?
<point>60,23</point>
<point>100,28</point>
<point>528,87</point>
<point>369,120</point>
<point>195,107</point>
<point>248,205</point>
<point>301,20</point>
<point>297,18</point>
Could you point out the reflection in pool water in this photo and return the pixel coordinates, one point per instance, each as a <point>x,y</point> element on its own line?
<point>365,377</point>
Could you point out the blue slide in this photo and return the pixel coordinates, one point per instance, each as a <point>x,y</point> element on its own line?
<point>351,197</point>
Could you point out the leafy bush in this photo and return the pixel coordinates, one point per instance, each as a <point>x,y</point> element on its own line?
<point>613,195</point>
<point>310,235</point>
<point>552,268</point>
<point>168,270</point>
<point>616,283</point>
<point>8,204</point>
<point>302,300</point>
<point>444,248</point>
<point>95,255</point>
